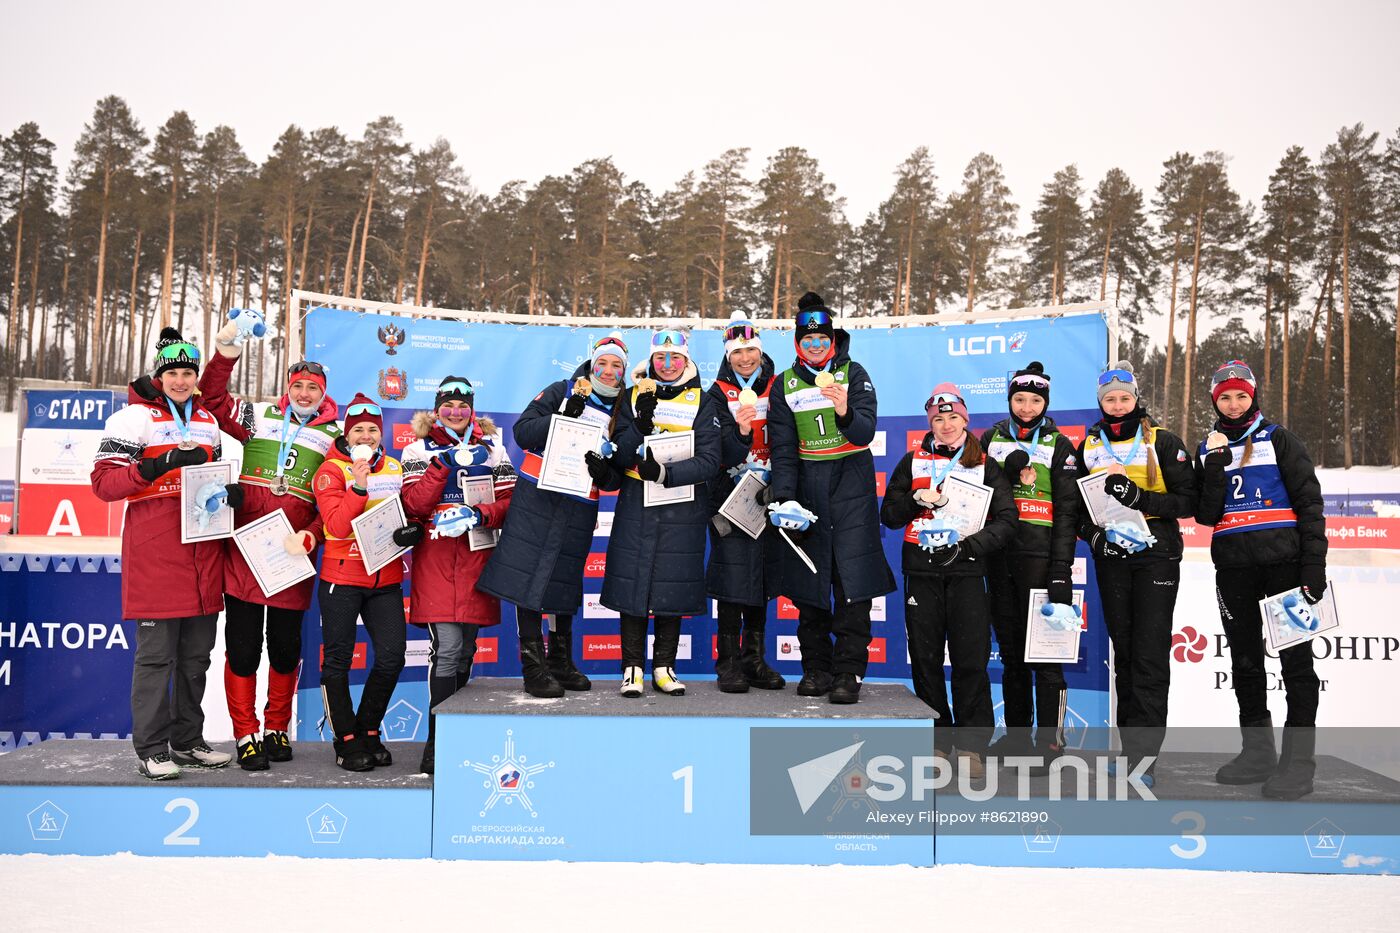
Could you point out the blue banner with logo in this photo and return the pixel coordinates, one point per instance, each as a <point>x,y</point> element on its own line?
<point>399,361</point>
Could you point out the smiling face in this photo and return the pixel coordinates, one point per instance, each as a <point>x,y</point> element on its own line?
<point>668,366</point>
<point>305,393</point>
<point>1233,403</point>
<point>1118,403</point>
<point>179,384</point>
<point>608,370</point>
<point>1027,406</point>
<point>813,347</point>
<point>948,428</point>
<point>364,432</point>
<point>746,360</point>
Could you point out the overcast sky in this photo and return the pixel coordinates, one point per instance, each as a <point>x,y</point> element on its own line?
<point>526,89</point>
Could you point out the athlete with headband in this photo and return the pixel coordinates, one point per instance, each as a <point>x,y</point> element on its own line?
<point>1260,491</point>
<point>284,444</point>
<point>821,420</point>
<point>357,475</point>
<point>174,591</point>
<point>1138,574</point>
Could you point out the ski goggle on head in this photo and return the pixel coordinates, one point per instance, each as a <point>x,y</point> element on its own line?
<point>1119,375</point>
<point>942,399</point>
<point>457,387</point>
<point>178,351</point>
<point>1031,379</point>
<point>365,408</point>
<point>739,332</point>
<point>674,338</point>
<point>813,320</point>
<point>306,366</point>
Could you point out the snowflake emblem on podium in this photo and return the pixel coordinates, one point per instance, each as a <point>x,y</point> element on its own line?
<point>508,777</point>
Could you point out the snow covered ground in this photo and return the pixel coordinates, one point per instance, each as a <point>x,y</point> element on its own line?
<point>127,892</point>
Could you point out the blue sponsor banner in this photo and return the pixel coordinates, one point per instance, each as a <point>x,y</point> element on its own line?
<point>65,651</point>
<point>73,409</point>
<point>399,362</point>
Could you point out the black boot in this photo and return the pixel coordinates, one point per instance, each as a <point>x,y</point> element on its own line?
<point>845,688</point>
<point>756,669</point>
<point>439,689</point>
<point>369,718</point>
<point>1296,765</point>
<point>1257,761</point>
<point>377,750</point>
<point>464,673</point>
<point>351,754</point>
<point>561,656</point>
<point>539,682</point>
<point>730,674</point>
<point>814,684</point>
<point>1016,741</point>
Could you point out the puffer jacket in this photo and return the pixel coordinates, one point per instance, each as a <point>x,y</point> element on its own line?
<point>1056,540</point>
<point>656,556</point>
<point>1163,507</point>
<point>446,569</point>
<point>841,492</point>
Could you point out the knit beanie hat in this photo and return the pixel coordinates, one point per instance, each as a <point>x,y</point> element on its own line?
<point>452,389</point>
<point>670,341</point>
<point>363,408</point>
<point>1233,375</point>
<point>1118,377</point>
<point>946,398</point>
<point>173,352</point>
<point>611,345</point>
<point>740,334</point>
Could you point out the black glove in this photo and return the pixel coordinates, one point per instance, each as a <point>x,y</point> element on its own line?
<point>597,466</point>
<point>645,409</point>
<point>1102,548</point>
<point>408,535</point>
<point>649,469</point>
<point>1060,586</point>
<point>721,525</point>
<point>574,406</point>
<point>1016,461</point>
<point>944,556</point>
<point>172,459</point>
<point>1123,489</point>
<point>235,495</point>
<point>1220,457</point>
<point>765,496</point>
<point>1314,582</point>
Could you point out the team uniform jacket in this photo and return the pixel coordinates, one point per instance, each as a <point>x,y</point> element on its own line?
<point>161,578</point>
<point>446,569</point>
<point>1171,497</point>
<point>259,427</point>
<point>538,563</point>
<point>340,505</point>
<point>915,471</point>
<point>837,483</point>
<point>1049,508</point>
<point>1268,511</point>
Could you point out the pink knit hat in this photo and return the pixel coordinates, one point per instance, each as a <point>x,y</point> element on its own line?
<point>946,398</point>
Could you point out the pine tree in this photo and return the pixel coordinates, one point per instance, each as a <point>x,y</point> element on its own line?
<point>1290,237</point>
<point>220,167</point>
<point>722,201</point>
<point>1118,240</point>
<point>798,216</point>
<point>1390,188</point>
<point>378,156</point>
<point>1172,206</point>
<point>907,218</point>
<point>1057,235</point>
<point>981,216</point>
<point>27,177</point>
<point>172,157</point>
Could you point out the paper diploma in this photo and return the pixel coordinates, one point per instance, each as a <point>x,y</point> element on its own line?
<point>374,534</point>
<point>481,490</point>
<point>1289,622</point>
<point>1046,644</point>
<point>260,543</point>
<point>742,508</point>
<point>1103,508</point>
<point>562,468</point>
<point>668,448</point>
<point>220,523</point>
<point>967,506</point>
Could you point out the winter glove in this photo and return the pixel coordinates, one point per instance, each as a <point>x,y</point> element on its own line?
<point>1314,582</point>
<point>645,410</point>
<point>765,496</point>
<point>926,497</point>
<point>1015,462</point>
<point>721,525</point>
<point>1060,586</point>
<point>235,495</point>
<point>456,521</point>
<point>1218,458</point>
<point>573,407</point>
<point>597,467</point>
<point>172,459</point>
<point>1123,489</point>
<point>1102,548</point>
<point>299,543</point>
<point>651,470</point>
<point>408,535</point>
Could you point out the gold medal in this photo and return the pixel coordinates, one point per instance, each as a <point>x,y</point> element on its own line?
<point>1216,439</point>
<point>583,387</point>
<point>824,379</point>
<point>748,397</point>
<point>646,386</point>
<point>1116,469</point>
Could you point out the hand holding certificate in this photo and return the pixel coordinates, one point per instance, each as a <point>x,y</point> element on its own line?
<point>742,508</point>
<point>1103,508</point>
<point>967,505</point>
<point>671,447</point>
<point>374,533</point>
<point>1053,639</point>
<point>562,467</point>
<point>1289,619</point>
<point>201,518</point>
<point>480,490</point>
<point>260,543</point>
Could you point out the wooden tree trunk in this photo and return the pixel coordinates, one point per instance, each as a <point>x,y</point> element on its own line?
<point>1287,332</point>
<point>101,276</point>
<point>212,270</point>
<point>131,303</point>
<point>364,235</point>
<point>1326,440</point>
<point>1171,331</point>
<point>777,273</point>
<point>1346,337</point>
<point>167,273</point>
<point>1103,277</point>
<point>33,302</point>
<point>971,279</point>
<point>12,342</point>
<point>723,245</point>
<point>1395,404</point>
<point>1188,352</point>
<point>423,260</point>
<point>350,253</point>
<point>1268,329</point>
<point>1322,298</point>
<point>184,285</point>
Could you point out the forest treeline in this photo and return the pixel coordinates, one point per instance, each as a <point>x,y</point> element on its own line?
<point>177,224</point>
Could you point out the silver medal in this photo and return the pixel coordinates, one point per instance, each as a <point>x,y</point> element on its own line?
<point>279,486</point>
<point>188,445</point>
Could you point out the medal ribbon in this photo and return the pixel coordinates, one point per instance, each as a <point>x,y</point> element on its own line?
<point>1035,439</point>
<point>182,423</point>
<point>285,444</point>
<point>1122,461</point>
<point>940,475</point>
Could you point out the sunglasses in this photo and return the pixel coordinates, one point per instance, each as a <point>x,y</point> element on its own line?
<point>610,342</point>
<point>306,366</point>
<point>1236,371</point>
<point>460,387</point>
<point>740,332</point>
<point>811,319</point>
<point>663,337</point>
<point>364,409</point>
<point>179,351</point>
<point>942,398</point>
<point>1122,375</point>
<point>1039,381</point>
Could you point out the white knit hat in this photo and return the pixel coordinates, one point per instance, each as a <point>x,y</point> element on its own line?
<point>741,334</point>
